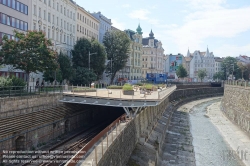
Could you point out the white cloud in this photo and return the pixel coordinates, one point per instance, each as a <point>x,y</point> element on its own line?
<point>119,25</point>
<point>206,4</point>
<point>200,25</point>
<point>141,14</point>
<point>126,5</point>
<point>232,50</point>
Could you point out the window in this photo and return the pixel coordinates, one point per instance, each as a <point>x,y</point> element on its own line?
<point>25,26</point>
<point>49,2</point>
<point>48,33</point>
<point>65,25</point>
<point>34,11</point>
<point>39,14</point>
<point>64,11</point>
<point>71,14</point>
<point>53,34</point>
<point>78,16</point>
<point>68,12</point>
<point>53,19</point>
<point>34,26</point>
<point>3,18</point>
<point>21,25</point>
<point>60,37</point>
<point>61,9</point>
<point>18,6</point>
<point>22,7</point>
<point>13,4</point>
<point>4,2</point>
<point>44,14</point>
<point>8,20</point>
<point>77,28</point>
<point>57,36</point>
<point>68,40</point>
<point>17,23</point>
<point>73,28</point>
<point>57,22</point>
<point>48,17</point>
<point>45,1</point>
<point>61,23</point>
<point>70,28</point>
<point>57,6</point>
<point>44,30</point>
<point>13,21</point>
<point>9,3</point>
<point>64,38</point>
<point>53,4</point>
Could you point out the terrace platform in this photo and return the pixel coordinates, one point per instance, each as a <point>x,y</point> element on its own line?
<point>116,98</point>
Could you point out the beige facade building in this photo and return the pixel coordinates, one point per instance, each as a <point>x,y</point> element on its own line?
<point>153,56</point>
<point>57,18</point>
<point>87,24</point>
<point>14,14</point>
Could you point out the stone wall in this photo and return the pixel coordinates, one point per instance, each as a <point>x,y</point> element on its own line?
<point>235,105</point>
<point>141,128</point>
<point>26,104</point>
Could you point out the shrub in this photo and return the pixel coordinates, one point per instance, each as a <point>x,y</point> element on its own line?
<point>114,87</point>
<point>148,86</point>
<point>127,87</point>
<point>83,89</point>
<point>5,82</point>
<point>139,84</point>
<point>18,81</point>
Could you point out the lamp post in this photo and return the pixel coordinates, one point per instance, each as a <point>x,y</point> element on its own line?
<point>89,57</point>
<point>232,72</point>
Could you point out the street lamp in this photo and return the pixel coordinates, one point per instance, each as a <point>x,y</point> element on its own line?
<point>89,57</point>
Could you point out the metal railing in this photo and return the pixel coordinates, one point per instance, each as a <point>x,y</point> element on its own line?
<point>12,91</point>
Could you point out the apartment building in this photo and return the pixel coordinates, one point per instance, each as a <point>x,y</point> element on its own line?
<point>14,14</point>
<point>87,24</point>
<point>153,56</point>
<point>57,18</point>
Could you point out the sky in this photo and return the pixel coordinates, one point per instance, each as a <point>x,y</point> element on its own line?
<point>221,25</point>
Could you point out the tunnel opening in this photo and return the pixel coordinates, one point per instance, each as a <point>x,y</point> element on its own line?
<point>20,143</point>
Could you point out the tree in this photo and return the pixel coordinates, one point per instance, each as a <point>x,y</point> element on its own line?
<point>202,74</point>
<point>82,76</point>
<point>65,66</point>
<point>30,53</point>
<point>229,66</point>
<point>50,75</point>
<point>218,75</point>
<point>117,45</point>
<point>181,71</point>
<point>81,52</point>
<point>242,67</point>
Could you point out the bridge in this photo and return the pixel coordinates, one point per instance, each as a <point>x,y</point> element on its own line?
<point>116,98</point>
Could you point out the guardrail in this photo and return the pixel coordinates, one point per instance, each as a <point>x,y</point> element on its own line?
<point>89,145</point>
<point>12,91</point>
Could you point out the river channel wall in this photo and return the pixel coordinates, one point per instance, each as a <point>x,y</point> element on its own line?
<point>235,105</point>
<point>141,127</point>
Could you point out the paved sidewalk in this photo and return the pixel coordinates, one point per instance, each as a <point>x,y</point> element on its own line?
<point>234,136</point>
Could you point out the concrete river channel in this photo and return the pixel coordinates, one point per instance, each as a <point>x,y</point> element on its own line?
<point>210,148</point>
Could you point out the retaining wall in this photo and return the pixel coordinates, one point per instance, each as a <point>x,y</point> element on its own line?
<point>235,105</point>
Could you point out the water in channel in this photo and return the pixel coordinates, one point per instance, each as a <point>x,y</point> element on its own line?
<point>209,146</point>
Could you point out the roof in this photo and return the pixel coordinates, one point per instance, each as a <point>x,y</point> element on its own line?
<point>130,33</point>
<point>188,59</point>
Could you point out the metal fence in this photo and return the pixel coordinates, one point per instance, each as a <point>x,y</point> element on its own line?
<point>12,91</point>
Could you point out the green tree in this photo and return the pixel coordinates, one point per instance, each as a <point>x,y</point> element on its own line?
<point>65,66</point>
<point>51,75</point>
<point>181,71</point>
<point>242,67</point>
<point>117,45</point>
<point>82,76</point>
<point>81,52</point>
<point>202,74</point>
<point>229,67</point>
<point>218,75</point>
<point>30,53</point>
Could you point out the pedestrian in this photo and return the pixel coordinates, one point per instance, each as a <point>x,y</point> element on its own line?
<point>42,85</point>
<point>37,84</point>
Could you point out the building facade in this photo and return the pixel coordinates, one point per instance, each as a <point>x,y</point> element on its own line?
<point>173,62</point>
<point>199,61</point>
<point>87,25</point>
<point>218,64</point>
<point>105,25</point>
<point>243,59</point>
<point>57,18</point>
<point>14,15</point>
<point>153,55</point>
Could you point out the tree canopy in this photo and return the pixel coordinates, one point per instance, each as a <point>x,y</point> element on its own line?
<point>218,75</point>
<point>82,76</point>
<point>117,45</point>
<point>30,53</point>
<point>181,71</point>
<point>202,74</point>
<point>81,52</point>
<point>229,67</point>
